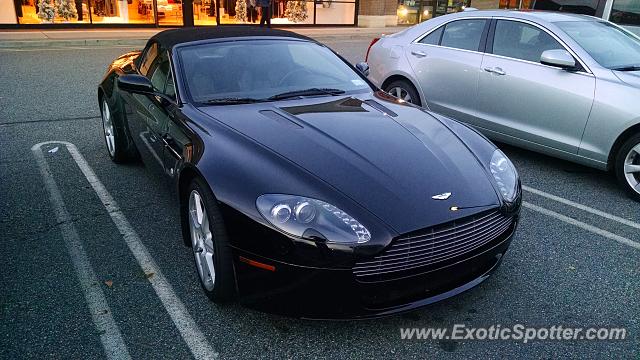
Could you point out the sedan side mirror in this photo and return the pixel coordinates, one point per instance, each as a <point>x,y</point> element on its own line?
<point>558,58</point>
<point>135,84</point>
<point>363,67</point>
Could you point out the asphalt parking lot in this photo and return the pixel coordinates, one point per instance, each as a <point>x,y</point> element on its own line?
<point>575,261</point>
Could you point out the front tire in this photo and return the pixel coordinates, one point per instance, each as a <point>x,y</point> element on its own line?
<point>209,243</point>
<point>627,166</point>
<point>404,90</point>
<point>114,135</point>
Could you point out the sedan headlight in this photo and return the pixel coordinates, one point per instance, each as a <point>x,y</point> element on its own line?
<point>311,218</point>
<point>505,175</point>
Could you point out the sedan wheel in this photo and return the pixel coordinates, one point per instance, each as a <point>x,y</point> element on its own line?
<point>401,93</point>
<point>628,166</point>
<point>403,89</point>
<point>201,240</point>
<point>632,168</point>
<point>107,125</point>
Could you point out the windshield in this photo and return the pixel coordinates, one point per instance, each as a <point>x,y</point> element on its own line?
<point>607,44</point>
<point>246,71</point>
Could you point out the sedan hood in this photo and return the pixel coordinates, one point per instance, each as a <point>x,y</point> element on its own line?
<point>629,77</point>
<point>391,159</point>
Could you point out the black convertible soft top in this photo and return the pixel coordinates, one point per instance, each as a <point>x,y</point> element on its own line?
<point>170,38</point>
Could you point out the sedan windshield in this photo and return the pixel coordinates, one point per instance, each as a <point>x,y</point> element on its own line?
<point>265,70</point>
<point>607,44</point>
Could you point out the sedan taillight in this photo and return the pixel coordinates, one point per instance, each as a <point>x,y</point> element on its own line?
<point>375,40</point>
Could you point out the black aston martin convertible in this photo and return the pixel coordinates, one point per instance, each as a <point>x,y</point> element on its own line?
<point>303,189</point>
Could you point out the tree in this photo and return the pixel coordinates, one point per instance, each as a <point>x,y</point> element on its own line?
<point>241,10</point>
<point>296,11</point>
<point>66,9</point>
<point>46,10</point>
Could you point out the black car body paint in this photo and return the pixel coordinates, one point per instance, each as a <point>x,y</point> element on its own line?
<point>379,160</point>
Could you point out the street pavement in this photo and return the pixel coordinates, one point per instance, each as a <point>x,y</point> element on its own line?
<point>574,262</point>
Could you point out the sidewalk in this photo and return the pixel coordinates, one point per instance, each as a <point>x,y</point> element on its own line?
<point>137,37</point>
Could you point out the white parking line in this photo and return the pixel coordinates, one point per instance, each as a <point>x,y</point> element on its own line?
<point>110,335</point>
<point>582,225</point>
<point>582,207</point>
<point>189,330</point>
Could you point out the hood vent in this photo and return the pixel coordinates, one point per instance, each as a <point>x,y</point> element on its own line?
<point>281,119</point>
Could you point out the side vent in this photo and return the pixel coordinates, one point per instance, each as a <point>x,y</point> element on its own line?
<point>281,119</point>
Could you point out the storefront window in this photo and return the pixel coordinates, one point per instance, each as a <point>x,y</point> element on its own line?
<point>248,12</point>
<point>625,12</point>
<point>586,7</point>
<point>335,12</point>
<point>171,12</point>
<point>7,12</point>
<point>122,11</point>
<point>408,12</point>
<point>204,12</point>
<point>415,11</point>
<point>86,11</point>
<point>60,11</point>
<point>289,12</point>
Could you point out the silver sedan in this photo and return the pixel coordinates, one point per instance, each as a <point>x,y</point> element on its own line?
<point>561,84</point>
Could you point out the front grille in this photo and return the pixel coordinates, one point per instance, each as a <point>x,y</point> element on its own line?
<point>418,251</point>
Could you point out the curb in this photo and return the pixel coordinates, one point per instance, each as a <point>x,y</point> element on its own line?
<point>70,43</point>
<point>30,44</point>
<point>26,44</point>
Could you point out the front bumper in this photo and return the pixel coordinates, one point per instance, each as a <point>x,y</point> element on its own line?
<point>315,293</point>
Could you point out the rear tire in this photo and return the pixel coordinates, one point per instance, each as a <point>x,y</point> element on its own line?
<point>118,145</point>
<point>403,89</point>
<point>209,243</point>
<point>627,166</point>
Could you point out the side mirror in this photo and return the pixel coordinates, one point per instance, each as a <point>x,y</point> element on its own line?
<point>558,58</point>
<point>363,67</point>
<point>135,84</point>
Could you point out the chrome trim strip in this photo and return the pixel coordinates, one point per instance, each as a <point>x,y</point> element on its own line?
<point>529,22</point>
<point>417,40</point>
<point>541,27</point>
<point>539,64</point>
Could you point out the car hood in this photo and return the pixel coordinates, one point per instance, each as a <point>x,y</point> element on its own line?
<point>629,77</point>
<point>390,159</point>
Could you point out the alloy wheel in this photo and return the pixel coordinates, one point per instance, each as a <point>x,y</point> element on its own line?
<point>401,93</point>
<point>107,124</point>
<point>201,240</point>
<point>632,168</point>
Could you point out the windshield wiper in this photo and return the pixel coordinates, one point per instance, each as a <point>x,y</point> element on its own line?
<point>232,100</point>
<point>627,68</point>
<point>306,92</point>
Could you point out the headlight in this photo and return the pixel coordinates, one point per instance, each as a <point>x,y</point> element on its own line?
<point>505,175</point>
<point>306,217</point>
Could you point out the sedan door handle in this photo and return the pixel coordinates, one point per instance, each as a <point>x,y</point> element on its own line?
<point>419,54</point>
<point>496,70</point>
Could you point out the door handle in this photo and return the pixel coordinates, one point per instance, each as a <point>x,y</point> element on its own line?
<point>418,53</point>
<point>495,70</point>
